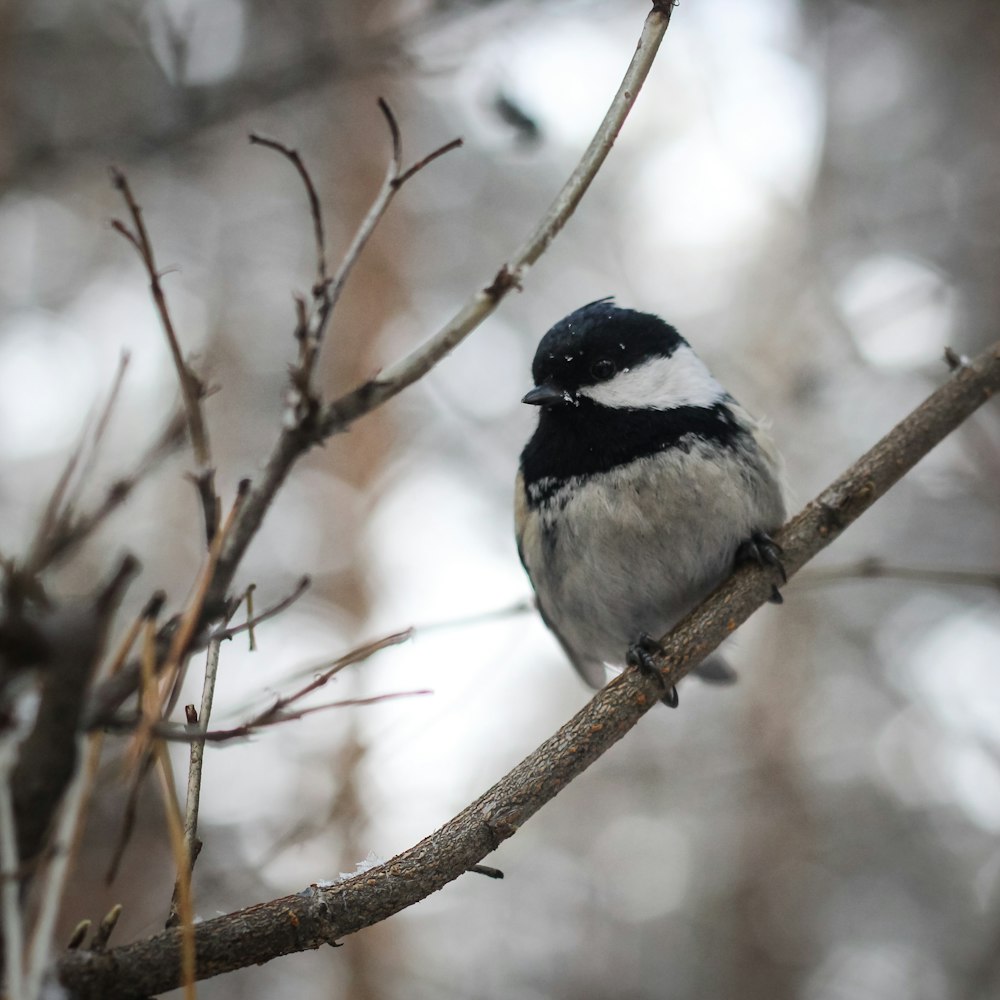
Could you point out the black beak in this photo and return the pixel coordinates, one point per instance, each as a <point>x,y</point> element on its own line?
<point>547,395</point>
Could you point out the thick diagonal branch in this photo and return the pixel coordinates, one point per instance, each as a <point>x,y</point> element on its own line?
<point>320,916</point>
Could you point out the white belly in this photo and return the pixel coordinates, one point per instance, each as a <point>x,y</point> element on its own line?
<point>605,570</point>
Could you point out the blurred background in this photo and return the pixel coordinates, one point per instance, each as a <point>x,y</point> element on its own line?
<point>808,189</point>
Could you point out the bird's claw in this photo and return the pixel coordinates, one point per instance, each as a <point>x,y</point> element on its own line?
<point>762,549</point>
<point>641,656</point>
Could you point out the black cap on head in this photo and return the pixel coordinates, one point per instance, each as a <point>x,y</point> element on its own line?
<point>597,340</point>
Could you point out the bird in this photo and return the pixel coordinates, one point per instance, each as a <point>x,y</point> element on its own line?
<point>642,486</point>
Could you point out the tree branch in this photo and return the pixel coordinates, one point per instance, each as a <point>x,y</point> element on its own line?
<point>192,390</point>
<point>373,393</point>
<point>306,422</point>
<point>322,915</point>
<point>338,415</point>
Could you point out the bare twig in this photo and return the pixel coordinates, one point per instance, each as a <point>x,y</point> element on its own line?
<point>193,734</point>
<point>161,684</point>
<point>322,672</point>
<point>279,710</point>
<point>79,934</point>
<point>486,870</point>
<point>175,822</point>
<point>326,291</point>
<point>195,763</point>
<point>182,862</point>
<point>275,717</point>
<point>228,631</point>
<point>481,618</point>
<point>395,178</point>
<point>261,932</point>
<point>61,502</point>
<point>64,530</point>
<point>192,389</point>
<point>315,211</point>
<point>356,655</point>
<point>875,569</point>
<point>250,623</point>
<point>172,668</point>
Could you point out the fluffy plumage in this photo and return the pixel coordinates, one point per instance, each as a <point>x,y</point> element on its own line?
<point>639,485</point>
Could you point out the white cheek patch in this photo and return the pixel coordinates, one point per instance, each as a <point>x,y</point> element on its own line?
<point>660,384</point>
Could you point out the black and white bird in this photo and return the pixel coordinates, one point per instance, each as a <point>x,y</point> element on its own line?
<point>643,484</point>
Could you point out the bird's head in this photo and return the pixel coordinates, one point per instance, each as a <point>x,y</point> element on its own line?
<point>621,359</point>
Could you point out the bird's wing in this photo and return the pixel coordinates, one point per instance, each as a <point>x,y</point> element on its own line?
<point>592,671</point>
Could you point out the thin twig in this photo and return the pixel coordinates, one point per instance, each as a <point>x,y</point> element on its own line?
<point>175,822</point>
<point>394,638</point>
<point>274,717</point>
<point>250,623</point>
<point>196,761</point>
<point>68,530</point>
<point>172,669</point>
<point>278,711</point>
<point>228,631</point>
<point>79,934</point>
<point>486,870</point>
<point>258,933</point>
<point>59,508</point>
<point>106,928</point>
<point>326,290</point>
<point>395,178</point>
<point>875,569</point>
<point>521,607</point>
<point>182,861</point>
<point>426,160</point>
<point>192,389</point>
<point>160,690</point>
<point>292,155</point>
<point>100,428</point>
<point>192,734</point>
<point>324,672</point>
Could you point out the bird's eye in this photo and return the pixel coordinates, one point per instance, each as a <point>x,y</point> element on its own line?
<point>603,370</point>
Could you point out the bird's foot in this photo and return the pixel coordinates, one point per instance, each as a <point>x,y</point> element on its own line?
<point>762,549</point>
<point>641,655</point>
